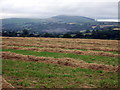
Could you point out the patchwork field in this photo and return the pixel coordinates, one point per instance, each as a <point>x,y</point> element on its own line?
<point>30,62</point>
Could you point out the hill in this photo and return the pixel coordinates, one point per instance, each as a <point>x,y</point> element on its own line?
<point>56,24</point>
<point>72,19</point>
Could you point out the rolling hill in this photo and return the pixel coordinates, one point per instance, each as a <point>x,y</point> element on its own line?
<point>56,24</point>
<point>72,19</point>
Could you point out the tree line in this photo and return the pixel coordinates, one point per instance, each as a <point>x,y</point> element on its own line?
<point>94,34</point>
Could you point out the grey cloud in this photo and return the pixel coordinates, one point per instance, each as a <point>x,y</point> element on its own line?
<point>52,8</point>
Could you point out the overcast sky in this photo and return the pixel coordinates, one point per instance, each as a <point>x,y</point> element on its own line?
<point>97,9</point>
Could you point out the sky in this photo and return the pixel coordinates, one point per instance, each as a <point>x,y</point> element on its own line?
<point>97,9</point>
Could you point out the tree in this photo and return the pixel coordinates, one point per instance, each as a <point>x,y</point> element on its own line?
<point>87,31</point>
<point>25,33</point>
<point>67,36</point>
<point>78,35</point>
<point>47,35</point>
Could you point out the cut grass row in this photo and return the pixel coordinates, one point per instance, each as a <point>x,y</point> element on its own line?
<point>69,49</point>
<point>71,45</point>
<point>64,40</point>
<point>87,58</point>
<point>59,50</point>
<point>61,61</point>
<point>63,46</point>
<point>41,75</point>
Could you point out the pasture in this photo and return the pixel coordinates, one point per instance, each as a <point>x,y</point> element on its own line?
<point>30,62</point>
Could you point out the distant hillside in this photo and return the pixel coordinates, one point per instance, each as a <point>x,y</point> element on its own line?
<point>56,24</point>
<point>17,24</point>
<point>21,20</point>
<point>72,19</point>
<point>58,19</point>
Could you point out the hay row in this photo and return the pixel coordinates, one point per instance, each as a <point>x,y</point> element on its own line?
<point>85,41</point>
<point>62,46</point>
<point>66,43</point>
<point>63,61</point>
<point>59,50</point>
<point>5,84</point>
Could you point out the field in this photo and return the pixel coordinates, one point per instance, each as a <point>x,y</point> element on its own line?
<point>30,62</point>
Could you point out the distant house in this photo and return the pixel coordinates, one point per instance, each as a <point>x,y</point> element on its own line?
<point>116,28</point>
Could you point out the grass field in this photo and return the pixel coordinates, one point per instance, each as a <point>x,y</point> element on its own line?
<point>60,63</point>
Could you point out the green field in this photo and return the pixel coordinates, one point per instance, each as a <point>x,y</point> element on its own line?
<point>40,75</point>
<point>44,69</point>
<point>87,58</point>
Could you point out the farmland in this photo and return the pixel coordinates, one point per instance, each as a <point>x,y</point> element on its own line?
<point>30,62</point>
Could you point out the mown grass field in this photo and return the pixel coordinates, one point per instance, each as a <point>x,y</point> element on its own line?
<point>60,63</point>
